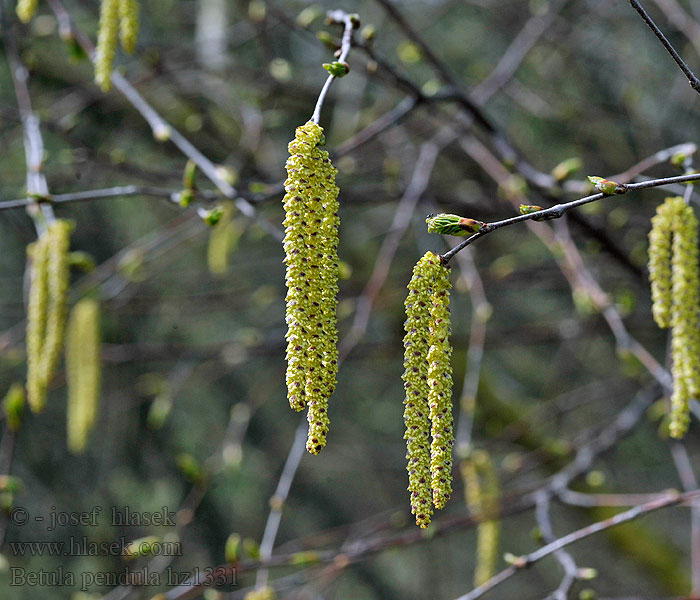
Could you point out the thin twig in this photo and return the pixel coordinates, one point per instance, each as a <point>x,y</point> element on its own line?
<point>692,79</point>
<point>162,128</point>
<point>565,559</point>
<point>279,498</point>
<point>37,186</point>
<point>672,498</point>
<point>555,212</point>
<point>336,16</point>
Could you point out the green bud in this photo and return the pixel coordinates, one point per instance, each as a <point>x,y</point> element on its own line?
<point>212,216</point>
<point>368,33</point>
<point>566,168</point>
<point>13,406</point>
<point>448,224</point>
<point>232,548</point>
<point>337,68</point>
<point>326,39</point>
<point>606,186</point>
<point>185,198</point>
<point>678,159</point>
<point>251,548</point>
<point>81,260</point>
<point>305,558</point>
<point>188,177</point>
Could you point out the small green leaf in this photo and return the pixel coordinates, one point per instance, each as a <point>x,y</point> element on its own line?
<point>337,68</point>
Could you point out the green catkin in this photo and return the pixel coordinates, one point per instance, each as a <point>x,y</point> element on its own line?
<point>675,284</point>
<point>82,372</point>
<point>660,264</point>
<point>416,410</point>
<point>685,343</point>
<point>106,43</point>
<point>26,9</point>
<point>128,24</point>
<point>13,406</point>
<point>440,384</point>
<point>36,322</point>
<point>482,494</point>
<point>58,280</point>
<point>310,245</point>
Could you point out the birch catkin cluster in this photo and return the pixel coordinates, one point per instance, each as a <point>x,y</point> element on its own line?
<point>119,20</point>
<point>428,383</point>
<point>82,372</point>
<point>46,313</point>
<point>675,283</point>
<point>311,258</point>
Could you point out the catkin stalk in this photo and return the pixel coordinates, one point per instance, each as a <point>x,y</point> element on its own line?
<point>82,372</point>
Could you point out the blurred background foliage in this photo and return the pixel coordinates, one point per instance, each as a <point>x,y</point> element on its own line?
<point>194,414</point>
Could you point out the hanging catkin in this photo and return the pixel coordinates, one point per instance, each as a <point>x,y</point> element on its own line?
<point>440,384</point>
<point>46,313</point>
<point>26,9</point>
<point>310,245</point>
<point>675,283</point>
<point>128,24</point>
<point>428,383</point>
<point>82,372</point>
<point>482,493</point>
<point>107,38</point>
<point>37,254</point>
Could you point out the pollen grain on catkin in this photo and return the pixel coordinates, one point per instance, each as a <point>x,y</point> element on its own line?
<point>82,372</point>
<point>311,259</point>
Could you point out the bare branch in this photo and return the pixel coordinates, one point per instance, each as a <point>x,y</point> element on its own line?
<point>692,79</point>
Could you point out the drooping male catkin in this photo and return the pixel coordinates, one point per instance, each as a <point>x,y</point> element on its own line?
<point>428,383</point>
<point>46,313</point>
<point>58,280</point>
<point>482,493</point>
<point>26,9</point>
<point>311,258</point>
<point>415,376</point>
<point>440,384</point>
<point>675,281</point>
<point>82,372</point>
<point>38,256</point>
<point>107,38</point>
<point>128,24</point>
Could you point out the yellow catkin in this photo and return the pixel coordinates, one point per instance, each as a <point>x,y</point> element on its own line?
<point>82,372</point>
<point>440,384</point>
<point>482,495</point>
<point>685,342</point>
<point>128,24</point>
<point>26,9</point>
<point>310,245</point>
<point>36,322</point>
<point>660,264</point>
<point>107,38</point>
<point>58,280</point>
<point>675,288</point>
<point>415,376</point>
